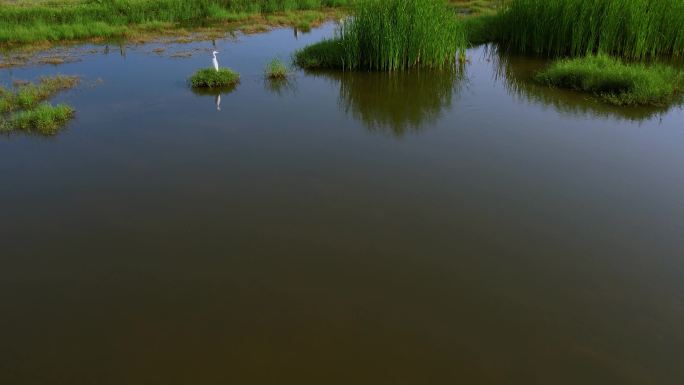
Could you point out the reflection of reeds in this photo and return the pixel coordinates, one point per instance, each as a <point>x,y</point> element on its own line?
<point>517,73</point>
<point>397,101</point>
<point>281,86</point>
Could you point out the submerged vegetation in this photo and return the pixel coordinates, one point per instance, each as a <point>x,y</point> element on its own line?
<point>386,35</point>
<point>616,82</point>
<point>276,70</point>
<point>211,78</point>
<point>25,108</point>
<point>631,29</point>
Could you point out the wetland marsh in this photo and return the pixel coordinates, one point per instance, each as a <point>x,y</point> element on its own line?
<point>465,225</point>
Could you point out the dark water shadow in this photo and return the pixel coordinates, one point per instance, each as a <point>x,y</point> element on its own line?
<point>397,102</point>
<point>517,72</point>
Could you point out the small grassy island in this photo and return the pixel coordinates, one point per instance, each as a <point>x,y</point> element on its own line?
<point>387,35</point>
<point>276,70</point>
<point>616,82</point>
<point>211,78</point>
<point>25,108</point>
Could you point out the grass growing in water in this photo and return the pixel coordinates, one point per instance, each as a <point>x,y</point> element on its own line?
<point>276,69</point>
<point>210,78</point>
<point>632,29</point>
<point>29,95</point>
<point>616,82</point>
<point>44,119</point>
<point>386,35</point>
<point>24,109</point>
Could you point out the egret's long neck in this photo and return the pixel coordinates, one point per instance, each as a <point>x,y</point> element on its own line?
<point>214,55</point>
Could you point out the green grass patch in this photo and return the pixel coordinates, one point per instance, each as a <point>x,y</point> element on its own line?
<point>210,78</point>
<point>44,119</point>
<point>276,69</point>
<point>29,95</point>
<point>23,108</point>
<point>631,29</point>
<point>386,35</point>
<point>25,21</point>
<point>616,82</point>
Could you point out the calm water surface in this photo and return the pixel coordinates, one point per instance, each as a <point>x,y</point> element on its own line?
<point>418,228</point>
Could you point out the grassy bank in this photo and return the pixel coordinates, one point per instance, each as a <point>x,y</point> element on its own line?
<point>616,82</point>
<point>386,35</point>
<point>24,108</point>
<point>26,21</point>
<point>633,29</point>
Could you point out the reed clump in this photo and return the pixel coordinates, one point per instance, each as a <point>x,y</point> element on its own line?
<point>276,70</point>
<point>616,82</point>
<point>387,35</point>
<point>211,78</point>
<point>631,29</point>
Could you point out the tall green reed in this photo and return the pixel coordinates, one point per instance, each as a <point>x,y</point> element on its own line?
<point>388,35</point>
<point>631,29</point>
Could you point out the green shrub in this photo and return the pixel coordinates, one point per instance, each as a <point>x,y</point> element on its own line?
<point>386,35</point>
<point>616,82</point>
<point>211,78</point>
<point>633,29</point>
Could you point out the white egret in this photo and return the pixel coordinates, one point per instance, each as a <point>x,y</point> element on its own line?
<point>215,61</point>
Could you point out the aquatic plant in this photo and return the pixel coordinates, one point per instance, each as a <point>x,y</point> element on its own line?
<point>517,74</point>
<point>386,35</point>
<point>44,119</point>
<point>211,78</point>
<point>397,102</point>
<point>616,82</point>
<point>633,29</point>
<point>23,109</point>
<point>328,53</point>
<point>276,69</point>
<point>29,95</point>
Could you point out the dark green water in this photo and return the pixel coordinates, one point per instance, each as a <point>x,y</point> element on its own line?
<point>339,229</point>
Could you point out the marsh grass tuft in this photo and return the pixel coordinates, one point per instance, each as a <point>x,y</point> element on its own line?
<point>44,119</point>
<point>631,29</point>
<point>616,82</point>
<point>387,35</point>
<point>210,78</point>
<point>29,95</point>
<point>24,108</point>
<point>276,69</point>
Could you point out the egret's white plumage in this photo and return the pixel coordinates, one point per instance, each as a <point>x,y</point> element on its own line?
<point>215,61</point>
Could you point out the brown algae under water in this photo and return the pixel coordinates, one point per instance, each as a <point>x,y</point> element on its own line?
<point>339,228</point>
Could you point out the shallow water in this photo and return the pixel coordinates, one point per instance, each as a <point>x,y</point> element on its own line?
<point>340,228</point>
